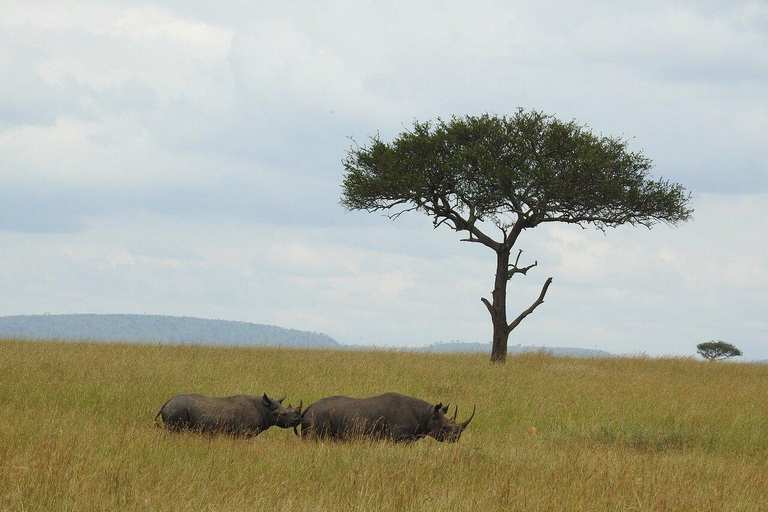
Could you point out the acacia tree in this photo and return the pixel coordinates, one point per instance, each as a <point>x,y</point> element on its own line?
<point>714,350</point>
<point>495,177</point>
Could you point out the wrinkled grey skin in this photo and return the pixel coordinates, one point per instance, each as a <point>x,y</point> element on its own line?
<point>240,415</point>
<point>390,416</point>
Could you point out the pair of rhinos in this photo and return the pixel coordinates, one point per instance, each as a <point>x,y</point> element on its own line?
<point>390,416</point>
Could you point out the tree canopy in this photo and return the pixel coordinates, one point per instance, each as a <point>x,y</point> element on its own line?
<point>713,350</point>
<point>519,171</point>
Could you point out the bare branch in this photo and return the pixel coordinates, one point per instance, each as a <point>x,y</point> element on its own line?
<point>517,260</point>
<point>444,220</point>
<point>357,148</point>
<point>488,305</point>
<point>394,216</point>
<point>536,304</point>
<point>515,269</point>
<point>520,270</point>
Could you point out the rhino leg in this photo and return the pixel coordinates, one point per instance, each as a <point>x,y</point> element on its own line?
<point>310,431</point>
<point>403,434</point>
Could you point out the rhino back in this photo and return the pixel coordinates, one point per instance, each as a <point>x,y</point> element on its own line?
<point>380,414</point>
<point>234,414</point>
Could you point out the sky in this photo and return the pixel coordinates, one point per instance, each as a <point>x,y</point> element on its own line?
<point>184,158</point>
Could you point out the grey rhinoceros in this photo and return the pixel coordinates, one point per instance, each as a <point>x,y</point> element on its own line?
<point>390,416</point>
<point>236,415</point>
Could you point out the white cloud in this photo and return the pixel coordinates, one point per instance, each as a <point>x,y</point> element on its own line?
<point>102,45</point>
<point>286,73</point>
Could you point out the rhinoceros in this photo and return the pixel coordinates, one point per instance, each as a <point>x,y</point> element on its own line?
<point>236,415</point>
<point>390,416</point>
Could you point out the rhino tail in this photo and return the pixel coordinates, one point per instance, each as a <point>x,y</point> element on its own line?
<point>301,418</point>
<point>161,412</point>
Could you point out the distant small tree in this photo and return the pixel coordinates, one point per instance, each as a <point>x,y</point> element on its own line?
<point>713,350</point>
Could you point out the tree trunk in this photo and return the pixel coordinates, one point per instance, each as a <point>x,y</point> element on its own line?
<point>498,309</point>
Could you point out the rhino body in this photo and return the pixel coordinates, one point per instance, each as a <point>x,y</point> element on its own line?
<point>236,415</point>
<point>390,416</point>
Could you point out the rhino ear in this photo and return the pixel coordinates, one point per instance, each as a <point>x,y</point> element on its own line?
<point>437,407</point>
<point>445,409</point>
<point>266,400</point>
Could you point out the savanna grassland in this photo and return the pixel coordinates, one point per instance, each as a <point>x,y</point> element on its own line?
<point>76,432</point>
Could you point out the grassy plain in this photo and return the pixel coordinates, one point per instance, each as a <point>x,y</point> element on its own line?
<point>76,433</point>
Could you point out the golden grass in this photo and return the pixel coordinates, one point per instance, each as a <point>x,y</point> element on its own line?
<point>76,432</point>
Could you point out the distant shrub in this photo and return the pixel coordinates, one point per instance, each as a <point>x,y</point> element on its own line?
<point>719,349</point>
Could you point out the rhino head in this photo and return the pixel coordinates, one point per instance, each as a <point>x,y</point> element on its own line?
<point>443,428</point>
<point>283,417</point>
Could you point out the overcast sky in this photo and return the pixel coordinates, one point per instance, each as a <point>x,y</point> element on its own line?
<point>184,158</point>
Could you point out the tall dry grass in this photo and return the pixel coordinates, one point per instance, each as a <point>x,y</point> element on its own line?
<point>76,432</point>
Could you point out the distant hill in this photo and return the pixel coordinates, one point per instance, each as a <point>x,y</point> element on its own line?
<point>456,346</point>
<point>159,329</point>
<point>199,331</point>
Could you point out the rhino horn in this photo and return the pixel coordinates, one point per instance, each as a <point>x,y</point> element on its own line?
<point>464,425</point>
<point>301,403</point>
<point>455,412</point>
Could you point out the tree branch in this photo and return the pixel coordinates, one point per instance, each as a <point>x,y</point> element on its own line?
<point>516,205</point>
<point>514,269</point>
<point>511,237</point>
<point>488,305</point>
<point>442,208</point>
<point>517,259</point>
<point>394,216</point>
<point>444,220</point>
<point>610,221</point>
<point>536,304</point>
